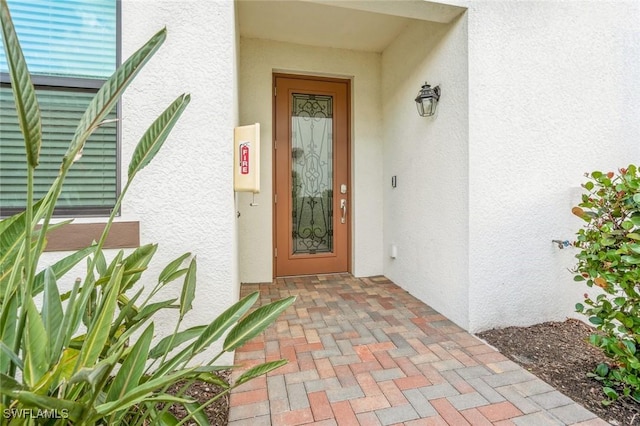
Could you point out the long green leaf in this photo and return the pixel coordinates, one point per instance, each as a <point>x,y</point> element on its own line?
<point>132,368</point>
<point>259,370</point>
<point>66,328</point>
<point>169,343</point>
<point>6,352</point>
<point>141,392</point>
<point>224,321</point>
<point>8,323</point>
<point>188,289</point>
<point>61,267</point>
<point>36,345</point>
<point>108,95</point>
<point>196,413</point>
<point>99,329</point>
<point>148,310</point>
<point>178,360</point>
<point>24,93</point>
<point>163,418</point>
<point>61,372</point>
<point>138,260</point>
<point>254,323</point>
<point>73,410</point>
<point>127,310</point>
<point>171,268</point>
<point>51,311</point>
<point>156,134</point>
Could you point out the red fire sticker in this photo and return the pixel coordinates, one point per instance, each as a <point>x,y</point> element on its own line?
<point>244,158</point>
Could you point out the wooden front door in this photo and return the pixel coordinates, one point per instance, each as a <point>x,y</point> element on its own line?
<point>311,172</point>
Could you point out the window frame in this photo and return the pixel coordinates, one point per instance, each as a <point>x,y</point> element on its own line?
<point>87,85</point>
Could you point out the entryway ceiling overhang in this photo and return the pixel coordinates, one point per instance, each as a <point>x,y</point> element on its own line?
<point>358,25</point>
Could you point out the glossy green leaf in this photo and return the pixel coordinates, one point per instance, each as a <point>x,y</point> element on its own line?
<point>51,309</point>
<point>164,418</point>
<point>137,261</point>
<point>255,323</point>
<point>632,260</point>
<point>141,392</point>
<point>259,370</point>
<point>61,267</point>
<point>168,343</point>
<point>132,368</point>
<point>99,329</point>
<point>196,413</point>
<point>73,410</point>
<point>171,268</point>
<point>156,134</point>
<point>127,311</point>
<point>24,94</point>
<point>595,320</point>
<point>149,310</point>
<point>611,394</point>
<point>188,289</point>
<point>108,95</point>
<point>602,370</point>
<point>8,324</point>
<point>224,321</point>
<point>9,355</point>
<point>36,345</point>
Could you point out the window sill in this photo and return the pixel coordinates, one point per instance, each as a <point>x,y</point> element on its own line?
<point>76,236</point>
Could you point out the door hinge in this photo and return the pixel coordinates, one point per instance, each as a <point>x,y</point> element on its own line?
<point>275,198</point>
<point>275,252</point>
<point>275,90</point>
<point>275,144</point>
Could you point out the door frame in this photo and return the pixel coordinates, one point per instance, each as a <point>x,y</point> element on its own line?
<point>351,191</point>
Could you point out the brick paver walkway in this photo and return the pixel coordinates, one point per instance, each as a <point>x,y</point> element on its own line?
<point>362,351</point>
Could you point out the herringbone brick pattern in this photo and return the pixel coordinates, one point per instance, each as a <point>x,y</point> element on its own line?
<point>362,351</point>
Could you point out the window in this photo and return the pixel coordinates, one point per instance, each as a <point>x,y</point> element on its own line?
<point>71,49</point>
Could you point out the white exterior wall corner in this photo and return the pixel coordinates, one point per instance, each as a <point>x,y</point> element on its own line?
<point>184,198</point>
<point>426,215</point>
<point>258,60</point>
<point>553,93</point>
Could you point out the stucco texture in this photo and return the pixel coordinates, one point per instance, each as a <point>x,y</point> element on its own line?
<point>553,93</point>
<point>184,198</point>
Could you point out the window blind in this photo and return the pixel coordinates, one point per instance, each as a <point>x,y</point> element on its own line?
<point>91,182</point>
<point>71,45</point>
<point>70,38</point>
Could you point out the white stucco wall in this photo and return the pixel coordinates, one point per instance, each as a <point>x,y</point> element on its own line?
<point>258,60</point>
<point>426,215</point>
<point>553,93</point>
<point>184,198</point>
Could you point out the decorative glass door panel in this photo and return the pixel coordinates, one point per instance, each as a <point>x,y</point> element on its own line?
<point>312,173</point>
<point>311,179</point>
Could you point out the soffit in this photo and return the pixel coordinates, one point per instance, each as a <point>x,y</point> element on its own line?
<point>359,25</point>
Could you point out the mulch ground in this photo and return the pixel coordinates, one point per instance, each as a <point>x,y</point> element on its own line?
<point>217,412</point>
<point>560,354</point>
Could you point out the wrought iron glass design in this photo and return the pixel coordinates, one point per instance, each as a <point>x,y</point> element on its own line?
<point>312,173</point>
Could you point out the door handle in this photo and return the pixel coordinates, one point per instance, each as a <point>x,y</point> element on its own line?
<point>343,207</point>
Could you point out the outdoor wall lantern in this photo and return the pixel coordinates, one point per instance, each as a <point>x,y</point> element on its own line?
<point>427,100</point>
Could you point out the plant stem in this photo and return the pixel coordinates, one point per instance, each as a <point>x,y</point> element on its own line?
<point>28,261</point>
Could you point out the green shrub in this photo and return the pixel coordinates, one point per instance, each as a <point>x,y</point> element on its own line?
<point>610,260</point>
<point>87,356</point>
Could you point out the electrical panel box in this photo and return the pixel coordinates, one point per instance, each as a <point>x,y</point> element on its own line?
<point>246,158</point>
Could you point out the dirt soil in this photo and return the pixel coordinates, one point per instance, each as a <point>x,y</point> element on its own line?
<point>217,412</point>
<point>560,354</point>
